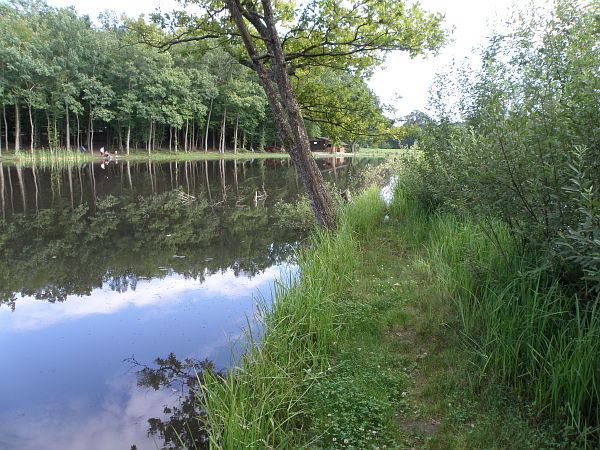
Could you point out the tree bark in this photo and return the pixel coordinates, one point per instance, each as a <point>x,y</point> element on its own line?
<point>67,131</point>
<point>222,136</point>
<point>185,138</point>
<point>208,124</point>
<point>283,103</point>
<point>5,126</point>
<point>17,128</point>
<point>2,187</point>
<point>78,141</point>
<point>91,132</point>
<point>235,132</point>
<point>128,135</point>
<point>150,137</point>
<point>32,129</point>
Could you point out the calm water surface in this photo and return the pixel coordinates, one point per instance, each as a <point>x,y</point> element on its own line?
<point>102,264</point>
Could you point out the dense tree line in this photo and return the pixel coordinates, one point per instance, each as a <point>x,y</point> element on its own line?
<point>66,83</point>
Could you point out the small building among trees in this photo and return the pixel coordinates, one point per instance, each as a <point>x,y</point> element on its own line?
<point>325,145</point>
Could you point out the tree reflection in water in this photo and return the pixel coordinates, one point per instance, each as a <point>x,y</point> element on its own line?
<point>184,425</point>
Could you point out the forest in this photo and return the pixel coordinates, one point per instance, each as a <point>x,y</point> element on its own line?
<point>67,83</point>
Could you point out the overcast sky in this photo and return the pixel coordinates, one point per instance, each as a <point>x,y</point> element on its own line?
<point>403,82</point>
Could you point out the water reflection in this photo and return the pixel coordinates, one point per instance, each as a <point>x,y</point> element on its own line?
<point>100,264</point>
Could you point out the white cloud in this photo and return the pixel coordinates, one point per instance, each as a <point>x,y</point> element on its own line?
<point>117,421</point>
<point>32,314</point>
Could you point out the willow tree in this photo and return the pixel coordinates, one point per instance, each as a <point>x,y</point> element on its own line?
<point>282,39</point>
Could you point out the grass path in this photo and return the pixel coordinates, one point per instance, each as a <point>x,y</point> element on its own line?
<point>403,376</point>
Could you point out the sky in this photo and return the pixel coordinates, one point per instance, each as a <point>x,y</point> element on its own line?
<point>402,82</point>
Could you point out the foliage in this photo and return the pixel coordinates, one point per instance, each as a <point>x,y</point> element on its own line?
<point>83,84</point>
<point>518,139</point>
<point>526,329</point>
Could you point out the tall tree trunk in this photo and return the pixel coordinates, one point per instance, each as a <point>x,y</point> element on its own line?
<point>17,128</point>
<point>5,126</point>
<point>154,134</point>
<point>176,140</point>
<point>222,137</point>
<point>2,187</point>
<point>149,143</point>
<point>170,138</point>
<point>193,136</point>
<point>185,138</point>
<point>67,129</point>
<point>49,130</point>
<point>78,140</point>
<point>210,108</point>
<point>286,111</point>
<point>32,129</point>
<point>55,130</point>
<point>90,138</point>
<point>235,132</point>
<point>128,135</point>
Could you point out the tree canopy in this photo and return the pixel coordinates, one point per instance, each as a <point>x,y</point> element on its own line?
<point>285,41</point>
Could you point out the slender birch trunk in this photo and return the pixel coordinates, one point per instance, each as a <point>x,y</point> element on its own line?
<point>67,130</point>
<point>185,137</point>
<point>235,133</point>
<point>128,135</point>
<point>210,108</point>
<point>17,128</point>
<point>32,129</point>
<point>5,126</point>
<point>78,140</point>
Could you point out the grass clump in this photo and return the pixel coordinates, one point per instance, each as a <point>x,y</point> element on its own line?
<point>261,401</point>
<point>526,330</point>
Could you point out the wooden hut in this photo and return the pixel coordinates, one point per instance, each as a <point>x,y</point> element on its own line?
<point>325,145</point>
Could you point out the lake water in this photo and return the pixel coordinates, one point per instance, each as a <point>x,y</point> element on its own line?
<point>105,264</point>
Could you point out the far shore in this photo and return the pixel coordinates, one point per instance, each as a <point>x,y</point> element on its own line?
<point>25,156</point>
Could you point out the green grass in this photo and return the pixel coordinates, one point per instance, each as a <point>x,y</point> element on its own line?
<point>380,152</point>
<point>423,331</point>
<point>49,157</point>
<point>524,330</point>
<point>261,402</point>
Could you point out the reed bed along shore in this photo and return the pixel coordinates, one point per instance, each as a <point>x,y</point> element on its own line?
<point>429,304</point>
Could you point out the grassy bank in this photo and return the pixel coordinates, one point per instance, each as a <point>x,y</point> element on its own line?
<point>421,331</point>
<point>47,157</point>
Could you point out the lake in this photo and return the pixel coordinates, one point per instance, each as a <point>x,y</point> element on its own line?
<point>105,267</point>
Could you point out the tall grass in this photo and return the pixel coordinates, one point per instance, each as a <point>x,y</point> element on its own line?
<point>259,403</point>
<point>526,330</point>
<point>49,157</point>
